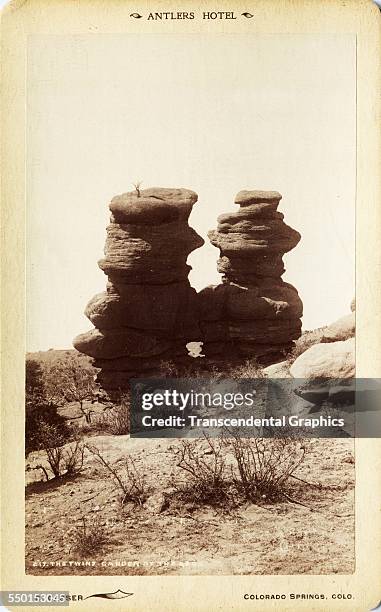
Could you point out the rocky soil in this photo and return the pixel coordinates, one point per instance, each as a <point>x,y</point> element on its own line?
<point>314,534</point>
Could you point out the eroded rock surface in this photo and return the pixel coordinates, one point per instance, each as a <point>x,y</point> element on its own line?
<point>332,360</point>
<point>253,313</point>
<point>148,312</point>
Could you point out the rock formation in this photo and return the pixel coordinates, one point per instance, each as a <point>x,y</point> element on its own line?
<point>253,313</point>
<point>148,312</point>
<point>333,360</point>
<point>342,329</point>
<point>322,378</point>
<point>333,355</point>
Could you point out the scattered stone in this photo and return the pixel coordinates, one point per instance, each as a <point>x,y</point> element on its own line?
<point>156,503</point>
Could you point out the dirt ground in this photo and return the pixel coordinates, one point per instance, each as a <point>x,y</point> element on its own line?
<point>281,538</point>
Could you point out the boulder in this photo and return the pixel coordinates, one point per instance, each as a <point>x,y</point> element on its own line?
<point>156,503</point>
<point>326,360</point>
<point>278,370</point>
<point>250,271</point>
<point>342,329</point>
<point>246,198</point>
<point>267,238</point>
<point>259,330</point>
<point>140,254</point>
<point>164,308</point>
<point>281,301</point>
<point>153,206</point>
<point>112,343</point>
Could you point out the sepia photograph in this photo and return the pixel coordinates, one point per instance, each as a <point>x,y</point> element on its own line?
<point>190,321</point>
<point>191,208</point>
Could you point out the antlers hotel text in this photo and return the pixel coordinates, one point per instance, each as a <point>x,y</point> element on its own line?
<point>182,15</point>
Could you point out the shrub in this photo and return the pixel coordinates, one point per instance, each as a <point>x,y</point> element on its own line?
<point>249,369</point>
<point>265,465</point>
<point>204,462</point>
<point>131,484</point>
<point>116,419</point>
<point>37,418</point>
<point>227,470</point>
<point>71,380</point>
<point>88,538</point>
<point>62,460</point>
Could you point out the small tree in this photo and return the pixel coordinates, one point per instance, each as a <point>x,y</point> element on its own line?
<point>204,462</point>
<point>40,409</point>
<point>137,186</point>
<point>62,460</point>
<point>34,382</point>
<point>70,380</point>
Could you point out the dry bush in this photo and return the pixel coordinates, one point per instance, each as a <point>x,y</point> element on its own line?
<point>226,470</point>
<point>88,538</point>
<point>131,485</point>
<point>62,460</point>
<point>80,428</point>
<point>204,461</point>
<point>195,368</point>
<point>249,369</point>
<point>137,186</point>
<point>171,369</point>
<point>73,457</point>
<point>265,465</point>
<point>116,420</point>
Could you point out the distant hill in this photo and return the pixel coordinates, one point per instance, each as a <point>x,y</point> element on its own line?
<point>53,355</point>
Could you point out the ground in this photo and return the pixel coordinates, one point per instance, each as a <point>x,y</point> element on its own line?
<point>286,537</point>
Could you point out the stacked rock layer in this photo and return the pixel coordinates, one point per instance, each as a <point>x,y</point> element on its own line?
<point>148,312</point>
<point>253,313</point>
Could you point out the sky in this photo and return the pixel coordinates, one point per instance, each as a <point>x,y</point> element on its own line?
<point>212,113</point>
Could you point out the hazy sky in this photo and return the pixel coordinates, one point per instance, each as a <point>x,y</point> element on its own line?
<point>213,113</point>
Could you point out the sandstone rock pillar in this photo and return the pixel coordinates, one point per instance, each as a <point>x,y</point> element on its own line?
<point>253,313</point>
<point>148,312</point>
